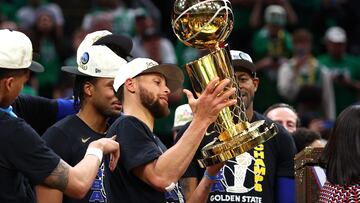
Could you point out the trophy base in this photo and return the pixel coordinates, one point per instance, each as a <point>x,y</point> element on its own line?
<point>220,151</point>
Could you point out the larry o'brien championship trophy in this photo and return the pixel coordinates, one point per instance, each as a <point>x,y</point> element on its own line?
<point>206,24</point>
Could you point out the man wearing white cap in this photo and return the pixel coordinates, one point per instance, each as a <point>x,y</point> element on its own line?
<point>263,174</point>
<point>70,137</point>
<point>94,95</point>
<point>25,159</point>
<point>147,168</point>
<point>52,110</point>
<point>344,68</point>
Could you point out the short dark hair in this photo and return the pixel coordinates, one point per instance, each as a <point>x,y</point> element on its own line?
<point>78,89</point>
<point>342,153</point>
<point>7,72</point>
<point>303,137</point>
<point>120,93</point>
<point>283,105</point>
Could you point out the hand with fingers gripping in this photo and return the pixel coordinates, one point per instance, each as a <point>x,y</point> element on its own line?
<point>215,97</point>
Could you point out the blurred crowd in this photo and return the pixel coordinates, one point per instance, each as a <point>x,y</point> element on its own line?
<point>306,51</point>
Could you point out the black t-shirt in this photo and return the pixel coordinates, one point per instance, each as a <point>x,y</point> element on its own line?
<point>251,176</point>
<point>69,138</point>
<point>40,113</point>
<point>24,159</point>
<point>138,146</point>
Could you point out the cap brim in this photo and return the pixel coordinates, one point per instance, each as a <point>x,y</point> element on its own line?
<point>122,44</point>
<point>172,73</point>
<point>72,69</point>
<point>36,67</point>
<point>244,65</point>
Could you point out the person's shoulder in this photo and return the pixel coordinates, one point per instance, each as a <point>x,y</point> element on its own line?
<point>67,126</point>
<point>14,126</point>
<point>8,122</point>
<point>124,122</point>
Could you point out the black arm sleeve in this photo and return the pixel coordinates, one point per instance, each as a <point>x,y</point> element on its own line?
<point>137,144</point>
<point>38,112</point>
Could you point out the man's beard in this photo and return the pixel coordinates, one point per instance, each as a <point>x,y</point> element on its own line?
<point>153,105</point>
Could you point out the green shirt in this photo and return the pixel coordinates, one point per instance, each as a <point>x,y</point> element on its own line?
<point>264,46</point>
<point>347,66</point>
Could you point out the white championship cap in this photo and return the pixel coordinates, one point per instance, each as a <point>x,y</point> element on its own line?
<point>172,73</point>
<point>97,61</point>
<point>16,51</point>
<point>88,41</point>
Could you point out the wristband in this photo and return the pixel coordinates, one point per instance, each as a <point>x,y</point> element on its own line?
<point>213,178</point>
<point>95,151</point>
<point>170,187</point>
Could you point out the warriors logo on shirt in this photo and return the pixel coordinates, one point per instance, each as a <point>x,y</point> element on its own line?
<point>97,190</point>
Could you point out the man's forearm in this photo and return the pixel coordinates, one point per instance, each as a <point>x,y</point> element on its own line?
<point>202,191</point>
<point>188,185</point>
<point>74,181</point>
<point>172,164</point>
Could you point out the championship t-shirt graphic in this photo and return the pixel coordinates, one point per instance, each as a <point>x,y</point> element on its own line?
<point>241,179</point>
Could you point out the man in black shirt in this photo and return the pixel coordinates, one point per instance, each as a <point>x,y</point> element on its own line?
<point>25,159</point>
<point>147,169</point>
<point>263,174</point>
<point>93,92</point>
<point>52,110</point>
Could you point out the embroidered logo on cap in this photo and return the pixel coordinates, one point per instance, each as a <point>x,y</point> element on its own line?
<point>150,64</point>
<point>84,60</point>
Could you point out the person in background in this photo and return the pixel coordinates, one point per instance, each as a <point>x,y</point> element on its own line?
<point>26,15</point>
<point>272,46</point>
<point>183,115</point>
<point>285,115</point>
<point>49,44</point>
<point>304,81</point>
<point>343,67</point>
<point>341,158</point>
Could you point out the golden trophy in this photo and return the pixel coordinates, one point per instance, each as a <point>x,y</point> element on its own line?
<point>206,24</point>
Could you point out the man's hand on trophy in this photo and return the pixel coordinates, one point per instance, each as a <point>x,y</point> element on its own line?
<point>213,99</point>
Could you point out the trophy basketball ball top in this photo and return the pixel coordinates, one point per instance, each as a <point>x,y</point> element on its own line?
<point>206,24</point>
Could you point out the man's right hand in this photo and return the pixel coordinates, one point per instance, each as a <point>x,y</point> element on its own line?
<point>213,99</point>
